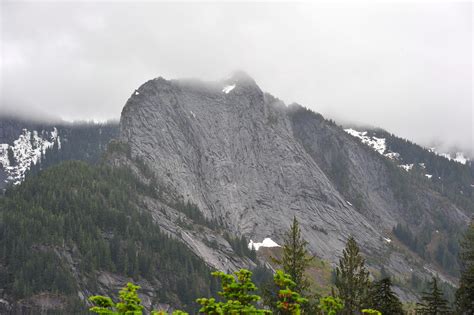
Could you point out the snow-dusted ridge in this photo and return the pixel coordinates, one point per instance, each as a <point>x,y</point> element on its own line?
<point>378,144</point>
<point>457,156</point>
<point>26,150</point>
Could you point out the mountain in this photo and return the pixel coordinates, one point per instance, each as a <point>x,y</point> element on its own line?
<point>194,173</point>
<point>27,146</point>
<point>251,162</point>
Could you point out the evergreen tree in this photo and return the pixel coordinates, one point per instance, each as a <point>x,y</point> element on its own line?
<point>296,257</point>
<point>433,302</point>
<point>294,262</point>
<point>236,290</point>
<point>465,293</point>
<point>383,299</point>
<point>352,279</point>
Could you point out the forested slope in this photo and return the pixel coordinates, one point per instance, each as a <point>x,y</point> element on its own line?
<point>70,227</point>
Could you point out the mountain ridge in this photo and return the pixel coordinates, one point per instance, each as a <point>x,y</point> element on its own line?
<point>247,159</point>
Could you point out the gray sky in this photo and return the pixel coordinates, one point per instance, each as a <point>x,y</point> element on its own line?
<point>404,67</point>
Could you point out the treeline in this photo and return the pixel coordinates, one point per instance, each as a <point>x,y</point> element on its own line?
<point>78,141</point>
<point>289,292</point>
<point>89,213</point>
<point>446,249</point>
<point>241,246</point>
<point>450,178</point>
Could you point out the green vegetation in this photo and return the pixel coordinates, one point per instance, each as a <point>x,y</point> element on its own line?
<point>465,293</point>
<point>382,298</point>
<point>236,293</point>
<point>433,302</point>
<point>449,178</point>
<point>240,246</point>
<point>352,279</point>
<point>330,305</point>
<point>89,213</point>
<point>296,257</point>
<point>80,141</point>
<point>295,261</point>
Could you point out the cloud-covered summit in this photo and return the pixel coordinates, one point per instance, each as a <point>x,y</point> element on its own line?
<point>404,67</point>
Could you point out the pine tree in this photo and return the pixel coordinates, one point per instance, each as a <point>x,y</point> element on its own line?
<point>465,293</point>
<point>352,279</point>
<point>296,257</point>
<point>433,302</point>
<point>383,299</point>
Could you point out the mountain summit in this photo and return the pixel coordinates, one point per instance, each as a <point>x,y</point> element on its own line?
<point>252,163</point>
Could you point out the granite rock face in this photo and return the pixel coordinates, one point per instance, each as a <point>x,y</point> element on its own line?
<point>252,163</point>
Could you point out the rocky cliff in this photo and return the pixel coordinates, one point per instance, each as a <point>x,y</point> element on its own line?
<point>251,163</point>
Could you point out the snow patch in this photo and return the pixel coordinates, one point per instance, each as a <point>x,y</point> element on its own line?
<point>378,144</point>
<point>350,204</point>
<point>228,88</point>
<point>406,167</point>
<point>456,157</point>
<point>27,150</point>
<point>267,242</point>
<point>392,155</point>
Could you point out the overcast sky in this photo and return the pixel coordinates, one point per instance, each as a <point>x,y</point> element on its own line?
<point>404,67</point>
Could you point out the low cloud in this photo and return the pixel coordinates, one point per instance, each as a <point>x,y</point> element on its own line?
<point>403,67</point>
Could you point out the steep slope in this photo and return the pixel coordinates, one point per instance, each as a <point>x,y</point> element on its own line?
<point>374,177</point>
<point>452,176</point>
<point>232,152</point>
<point>252,163</point>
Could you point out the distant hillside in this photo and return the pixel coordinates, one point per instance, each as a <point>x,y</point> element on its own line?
<point>452,176</point>
<point>27,146</point>
<point>76,230</point>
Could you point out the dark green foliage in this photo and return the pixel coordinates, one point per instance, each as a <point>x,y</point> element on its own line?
<point>446,249</point>
<point>296,257</point>
<point>240,246</point>
<point>193,212</point>
<point>449,178</point>
<point>465,293</point>
<point>89,213</point>
<point>115,146</point>
<point>79,141</point>
<point>432,301</point>
<point>352,279</point>
<point>404,234</point>
<point>263,278</point>
<point>383,299</point>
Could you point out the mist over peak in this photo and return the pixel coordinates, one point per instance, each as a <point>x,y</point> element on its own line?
<point>380,65</point>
